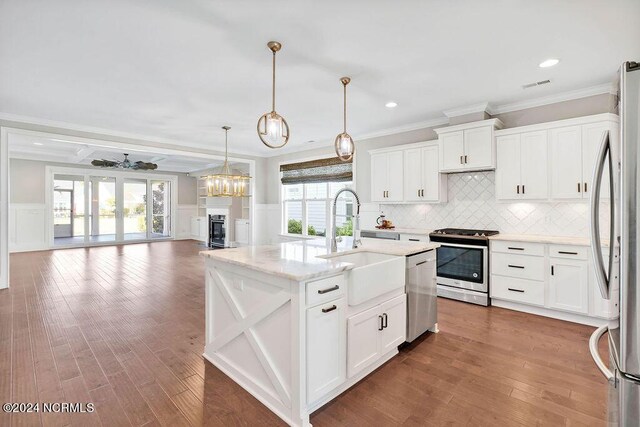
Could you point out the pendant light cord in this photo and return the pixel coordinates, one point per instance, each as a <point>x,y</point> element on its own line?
<point>273,84</point>
<point>344,86</point>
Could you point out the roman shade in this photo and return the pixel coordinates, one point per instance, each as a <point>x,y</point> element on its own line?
<point>323,170</point>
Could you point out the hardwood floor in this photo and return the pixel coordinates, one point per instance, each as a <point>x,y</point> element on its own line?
<point>123,327</point>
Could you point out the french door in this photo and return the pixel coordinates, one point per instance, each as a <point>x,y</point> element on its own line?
<point>120,209</point>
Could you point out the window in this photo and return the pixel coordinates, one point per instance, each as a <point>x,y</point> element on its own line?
<point>306,209</point>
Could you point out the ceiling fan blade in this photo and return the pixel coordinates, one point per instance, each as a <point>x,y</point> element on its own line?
<point>103,163</point>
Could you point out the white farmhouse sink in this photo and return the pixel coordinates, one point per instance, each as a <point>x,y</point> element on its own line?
<point>374,274</point>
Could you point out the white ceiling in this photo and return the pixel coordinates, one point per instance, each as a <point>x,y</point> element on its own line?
<point>30,147</point>
<point>178,70</point>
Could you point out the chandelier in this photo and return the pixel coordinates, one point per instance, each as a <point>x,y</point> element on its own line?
<point>273,129</point>
<point>225,183</point>
<point>125,164</point>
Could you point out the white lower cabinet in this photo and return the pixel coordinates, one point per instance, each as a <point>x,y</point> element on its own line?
<point>569,285</point>
<point>326,348</point>
<point>200,228</point>
<point>374,332</point>
<point>559,278</point>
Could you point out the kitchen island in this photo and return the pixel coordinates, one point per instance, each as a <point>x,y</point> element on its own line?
<point>296,325</point>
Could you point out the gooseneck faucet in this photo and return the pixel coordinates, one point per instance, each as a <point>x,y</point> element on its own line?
<point>356,222</point>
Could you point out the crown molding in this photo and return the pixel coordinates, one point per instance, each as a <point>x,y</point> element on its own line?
<point>553,99</point>
<point>116,136</point>
<point>470,109</point>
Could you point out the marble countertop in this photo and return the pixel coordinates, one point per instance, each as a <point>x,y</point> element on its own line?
<point>421,231</point>
<point>533,238</point>
<point>308,259</point>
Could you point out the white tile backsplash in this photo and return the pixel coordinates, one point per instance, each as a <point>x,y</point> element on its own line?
<point>472,204</point>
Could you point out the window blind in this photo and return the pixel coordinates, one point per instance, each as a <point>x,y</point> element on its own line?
<point>323,170</point>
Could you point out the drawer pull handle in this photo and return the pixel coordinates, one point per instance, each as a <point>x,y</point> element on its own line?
<point>326,310</point>
<point>552,271</point>
<point>331,289</point>
<point>568,253</point>
<point>414,240</point>
<point>516,290</point>
<point>385,321</point>
<point>515,266</point>
<point>515,249</point>
<point>380,327</point>
<point>420,263</point>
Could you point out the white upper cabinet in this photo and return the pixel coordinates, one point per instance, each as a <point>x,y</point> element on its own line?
<point>552,160</point>
<point>452,150</point>
<point>468,147</point>
<point>522,166</point>
<point>387,177</point>
<point>407,173</point>
<point>423,181</point>
<point>566,162</point>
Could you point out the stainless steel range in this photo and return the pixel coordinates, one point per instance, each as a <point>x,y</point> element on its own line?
<point>463,264</point>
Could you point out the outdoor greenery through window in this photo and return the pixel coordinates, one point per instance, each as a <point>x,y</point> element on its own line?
<point>307,209</point>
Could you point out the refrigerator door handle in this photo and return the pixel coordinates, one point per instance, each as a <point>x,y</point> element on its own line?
<point>595,355</point>
<point>596,244</point>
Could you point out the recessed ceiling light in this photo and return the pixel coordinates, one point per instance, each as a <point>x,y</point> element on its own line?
<point>548,63</point>
<point>37,143</point>
<point>391,104</point>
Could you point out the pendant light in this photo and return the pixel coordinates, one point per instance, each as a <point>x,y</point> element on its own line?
<point>273,129</point>
<point>226,184</point>
<point>344,142</point>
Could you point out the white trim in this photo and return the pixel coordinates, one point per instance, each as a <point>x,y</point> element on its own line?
<point>4,208</point>
<point>555,314</point>
<point>142,140</point>
<point>577,121</point>
<point>496,123</point>
<point>470,109</point>
<point>553,99</point>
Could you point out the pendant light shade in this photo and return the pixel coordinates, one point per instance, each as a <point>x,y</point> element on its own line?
<point>225,183</point>
<point>273,129</point>
<point>344,143</point>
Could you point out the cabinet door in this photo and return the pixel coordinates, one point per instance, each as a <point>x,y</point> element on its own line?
<point>591,140</point>
<point>533,161</point>
<point>363,340</point>
<point>451,150</point>
<point>478,147</point>
<point>379,174</point>
<point>508,167</point>
<point>569,285</point>
<point>431,179</point>
<point>326,348</point>
<point>395,176</point>
<point>394,318</point>
<point>413,183</point>
<point>565,149</point>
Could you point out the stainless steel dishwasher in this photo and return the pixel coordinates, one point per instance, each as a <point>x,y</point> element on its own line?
<point>422,294</point>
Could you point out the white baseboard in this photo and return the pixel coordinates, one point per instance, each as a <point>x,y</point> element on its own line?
<point>542,311</point>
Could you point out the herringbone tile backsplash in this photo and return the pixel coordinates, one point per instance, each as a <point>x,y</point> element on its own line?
<point>472,204</point>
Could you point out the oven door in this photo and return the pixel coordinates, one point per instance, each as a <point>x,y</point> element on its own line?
<point>463,266</point>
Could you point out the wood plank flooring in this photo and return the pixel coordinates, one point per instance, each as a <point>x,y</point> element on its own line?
<point>123,327</point>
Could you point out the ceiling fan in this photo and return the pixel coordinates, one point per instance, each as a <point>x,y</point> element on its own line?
<point>125,164</point>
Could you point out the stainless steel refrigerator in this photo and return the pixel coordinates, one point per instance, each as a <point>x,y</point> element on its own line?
<point>619,278</point>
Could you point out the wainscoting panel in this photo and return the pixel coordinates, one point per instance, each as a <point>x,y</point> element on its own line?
<point>27,227</point>
<point>183,220</point>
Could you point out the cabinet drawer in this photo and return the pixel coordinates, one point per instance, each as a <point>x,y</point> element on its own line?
<point>567,251</point>
<point>414,238</point>
<point>520,266</point>
<point>520,248</point>
<point>324,290</point>
<point>518,290</point>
